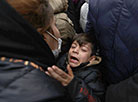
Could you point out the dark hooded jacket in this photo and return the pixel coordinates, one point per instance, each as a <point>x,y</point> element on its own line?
<point>115,23</point>
<point>87,84</point>
<point>23,53</point>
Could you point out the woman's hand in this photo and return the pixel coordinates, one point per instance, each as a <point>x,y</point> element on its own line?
<point>60,75</point>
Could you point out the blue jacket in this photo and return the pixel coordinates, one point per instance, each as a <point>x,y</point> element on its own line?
<point>116,25</point>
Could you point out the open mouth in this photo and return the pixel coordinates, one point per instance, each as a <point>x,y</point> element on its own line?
<point>74,58</point>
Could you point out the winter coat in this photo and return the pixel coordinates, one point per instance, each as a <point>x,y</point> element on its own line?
<point>87,85</point>
<point>74,13</point>
<point>115,24</point>
<point>24,81</point>
<point>23,52</point>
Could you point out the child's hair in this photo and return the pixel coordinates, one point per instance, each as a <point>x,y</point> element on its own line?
<point>84,38</point>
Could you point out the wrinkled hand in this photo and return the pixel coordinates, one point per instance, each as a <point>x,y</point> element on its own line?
<point>60,75</point>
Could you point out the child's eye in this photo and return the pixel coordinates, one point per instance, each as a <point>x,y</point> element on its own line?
<point>84,49</point>
<point>73,46</point>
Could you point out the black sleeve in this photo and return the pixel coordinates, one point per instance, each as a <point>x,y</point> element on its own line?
<point>124,91</point>
<point>90,89</point>
<point>74,14</point>
<point>30,85</point>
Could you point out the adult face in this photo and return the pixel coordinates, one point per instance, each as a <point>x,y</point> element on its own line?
<point>79,54</point>
<point>51,41</point>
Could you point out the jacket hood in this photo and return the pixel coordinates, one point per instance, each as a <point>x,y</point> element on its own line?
<point>18,39</point>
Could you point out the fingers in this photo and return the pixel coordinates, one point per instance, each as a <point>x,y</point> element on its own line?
<point>53,74</point>
<point>47,73</point>
<point>60,75</point>
<point>60,72</point>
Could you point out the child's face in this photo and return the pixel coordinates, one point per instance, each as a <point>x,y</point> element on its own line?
<point>79,54</point>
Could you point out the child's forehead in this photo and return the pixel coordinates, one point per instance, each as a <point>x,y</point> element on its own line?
<point>82,43</point>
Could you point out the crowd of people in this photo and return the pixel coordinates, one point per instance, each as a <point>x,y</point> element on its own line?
<point>68,50</point>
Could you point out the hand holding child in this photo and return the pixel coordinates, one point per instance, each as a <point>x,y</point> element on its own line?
<point>60,75</point>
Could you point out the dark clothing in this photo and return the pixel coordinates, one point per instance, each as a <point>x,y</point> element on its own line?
<point>25,83</point>
<point>115,23</point>
<point>87,85</point>
<point>125,91</point>
<point>73,13</point>
<point>19,81</point>
<point>20,40</point>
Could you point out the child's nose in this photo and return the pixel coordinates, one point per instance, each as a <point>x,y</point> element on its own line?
<point>76,50</point>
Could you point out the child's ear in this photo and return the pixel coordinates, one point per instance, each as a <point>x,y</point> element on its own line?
<point>95,60</point>
<point>92,58</point>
